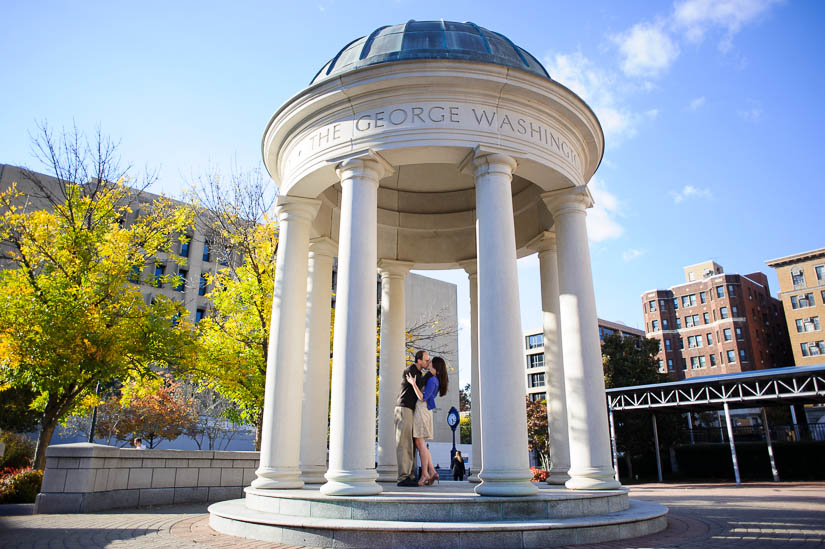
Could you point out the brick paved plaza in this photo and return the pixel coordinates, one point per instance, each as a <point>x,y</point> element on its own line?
<point>701,516</point>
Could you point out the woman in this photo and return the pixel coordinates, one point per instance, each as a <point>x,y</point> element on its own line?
<point>458,466</point>
<point>423,415</point>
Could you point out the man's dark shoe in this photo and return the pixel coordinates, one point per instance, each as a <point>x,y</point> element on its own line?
<point>407,482</point>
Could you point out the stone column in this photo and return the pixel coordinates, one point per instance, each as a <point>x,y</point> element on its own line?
<point>590,467</point>
<point>506,466</point>
<point>391,362</point>
<point>284,366</point>
<point>475,391</point>
<point>352,415</point>
<point>313,455</point>
<point>553,360</point>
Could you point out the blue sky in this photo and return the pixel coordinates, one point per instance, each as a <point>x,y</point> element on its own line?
<point>713,111</point>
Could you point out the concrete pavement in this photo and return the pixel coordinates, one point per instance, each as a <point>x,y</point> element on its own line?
<point>703,516</point>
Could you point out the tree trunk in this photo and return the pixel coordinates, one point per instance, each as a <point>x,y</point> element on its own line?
<point>44,438</point>
<point>259,429</point>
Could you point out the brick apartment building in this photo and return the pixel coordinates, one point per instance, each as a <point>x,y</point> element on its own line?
<point>802,291</point>
<point>716,323</point>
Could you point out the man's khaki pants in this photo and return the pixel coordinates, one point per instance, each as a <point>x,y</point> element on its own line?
<point>404,451</point>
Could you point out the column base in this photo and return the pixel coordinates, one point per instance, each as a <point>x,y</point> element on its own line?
<point>557,477</point>
<point>594,478</point>
<point>506,483</point>
<point>351,483</point>
<point>387,473</point>
<point>278,479</point>
<point>474,478</point>
<point>313,474</point>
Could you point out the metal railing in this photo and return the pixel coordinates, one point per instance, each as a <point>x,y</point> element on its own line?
<point>755,433</point>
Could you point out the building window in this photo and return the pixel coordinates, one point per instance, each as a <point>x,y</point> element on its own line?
<point>694,363</point>
<point>727,334</point>
<point>199,315</point>
<point>669,365</point>
<point>713,361</point>
<point>184,246</point>
<point>655,325</point>
<point>684,364</point>
<point>813,348</point>
<point>802,301</point>
<point>810,324</point>
<point>664,323</point>
<point>662,304</point>
<point>652,305</point>
<point>739,335</point>
<point>158,283</point>
<point>202,285</point>
<point>206,250</point>
<point>689,321</point>
<point>536,380</point>
<point>720,291</point>
<point>681,343</point>
<point>731,357</point>
<point>706,318</point>
<point>675,304</point>
<point>702,297</point>
<point>798,278</point>
<point>180,283</point>
<point>685,301</point>
<point>535,360</point>
<point>710,339</point>
<point>702,361</point>
<point>723,312</point>
<point>536,397</point>
<point>535,341</point>
<point>735,311</point>
<point>134,274</point>
<point>678,323</point>
<point>742,356</point>
<point>667,345</point>
<point>820,273</point>
<point>692,299</point>
<point>662,367</point>
<point>731,290</point>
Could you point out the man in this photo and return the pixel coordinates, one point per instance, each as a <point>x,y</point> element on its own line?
<point>404,408</point>
<point>138,444</point>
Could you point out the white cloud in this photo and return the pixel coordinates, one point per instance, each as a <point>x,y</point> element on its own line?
<point>697,103</point>
<point>689,191</point>
<point>601,222</point>
<point>646,49</point>
<point>598,87</point>
<point>696,17</point>
<point>631,254</point>
<point>751,115</point>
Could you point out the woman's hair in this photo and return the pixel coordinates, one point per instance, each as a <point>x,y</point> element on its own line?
<point>441,373</point>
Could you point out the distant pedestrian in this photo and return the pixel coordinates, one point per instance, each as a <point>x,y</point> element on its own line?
<point>138,444</point>
<point>458,466</point>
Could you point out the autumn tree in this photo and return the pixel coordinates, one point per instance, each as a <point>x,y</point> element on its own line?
<point>538,438</point>
<point>466,432</point>
<point>156,411</point>
<point>465,398</point>
<point>69,317</point>
<point>234,336</point>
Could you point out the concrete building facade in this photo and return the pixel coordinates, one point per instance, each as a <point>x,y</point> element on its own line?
<point>535,368</point>
<point>716,323</point>
<point>802,292</point>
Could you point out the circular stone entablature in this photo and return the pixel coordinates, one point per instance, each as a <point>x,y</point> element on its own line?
<point>424,98</point>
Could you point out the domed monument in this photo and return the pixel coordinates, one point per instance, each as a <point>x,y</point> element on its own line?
<point>431,145</point>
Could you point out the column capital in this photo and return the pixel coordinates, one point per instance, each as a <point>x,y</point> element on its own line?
<point>323,246</point>
<point>390,268</point>
<point>289,208</point>
<point>484,163</point>
<point>366,164</point>
<point>470,266</point>
<point>571,200</point>
<point>543,243</point>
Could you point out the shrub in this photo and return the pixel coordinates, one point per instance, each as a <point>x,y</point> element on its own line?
<point>20,485</point>
<point>539,475</point>
<point>19,450</point>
